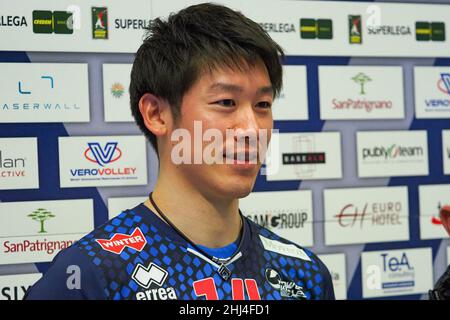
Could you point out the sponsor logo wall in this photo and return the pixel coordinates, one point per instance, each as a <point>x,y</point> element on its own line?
<point>363,153</point>
<point>305,156</point>
<point>35,231</point>
<point>337,267</point>
<point>432,198</point>
<point>38,92</point>
<point>392,153</point>
<point>396,272</point>
<point>366,215</point>
<point>287,213</point>
<point>361,92</point>
<point>14,287</point>
<point>19,163</point>
<point>102,161</point>
<point>432,92</point>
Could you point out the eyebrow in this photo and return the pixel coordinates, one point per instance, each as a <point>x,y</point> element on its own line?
<point>220,86</point>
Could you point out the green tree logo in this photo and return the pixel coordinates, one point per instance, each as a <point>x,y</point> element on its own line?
<point>361,79</point>
<point>41,215</point>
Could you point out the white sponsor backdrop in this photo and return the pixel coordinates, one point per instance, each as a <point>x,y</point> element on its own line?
<point>19,168</point>
<point>43,92</point>
<point>116,81</point>
<point>366,215</point>
<point>82,85</point>
<point>287,213</point>
<point>431,199</point>
<point>336,265</point>
<point>396,272</point>
<point>432,92</point>
<point>293,101</point>
<point>13,287</point>
<point>116,161</point>
<point>117,205</point>
<point>326,143</point>
<point>361,92</point>
<point>392,153</point>
<point>35,231</point>
<point>446,151</point>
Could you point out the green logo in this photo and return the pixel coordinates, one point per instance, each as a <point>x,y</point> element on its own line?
<point>354,29</point>
<point>41,215</point>
<point>59,22</point>
<point>361,79</point>
<point>117,90</point>
<point>430,31</point>
<point>99,23</point>
<point>316,28</point>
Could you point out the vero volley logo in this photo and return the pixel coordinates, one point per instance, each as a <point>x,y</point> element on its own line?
<point>102,156</point>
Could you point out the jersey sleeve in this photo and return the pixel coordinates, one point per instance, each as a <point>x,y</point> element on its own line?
<point>71,276</point>
<point>328,289</point>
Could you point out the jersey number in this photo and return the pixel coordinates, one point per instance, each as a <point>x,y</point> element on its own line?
<point>207,287</point>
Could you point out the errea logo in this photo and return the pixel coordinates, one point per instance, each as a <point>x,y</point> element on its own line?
<point>153,274</point>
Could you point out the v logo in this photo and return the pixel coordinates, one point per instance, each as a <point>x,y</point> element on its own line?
<point>104,155</point>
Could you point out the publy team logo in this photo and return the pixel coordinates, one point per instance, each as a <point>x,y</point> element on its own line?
<point>119,241</point>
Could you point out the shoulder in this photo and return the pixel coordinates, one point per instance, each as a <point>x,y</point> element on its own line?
<point>291,256</point>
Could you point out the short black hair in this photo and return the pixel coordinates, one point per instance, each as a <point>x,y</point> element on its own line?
<point>197,38</point>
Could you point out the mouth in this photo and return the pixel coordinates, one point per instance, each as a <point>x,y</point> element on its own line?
<point>243,157</point>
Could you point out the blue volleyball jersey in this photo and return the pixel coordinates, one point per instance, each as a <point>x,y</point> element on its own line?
<point>137,256</point>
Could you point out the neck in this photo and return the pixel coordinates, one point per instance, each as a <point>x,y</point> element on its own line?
<point>207,221</point>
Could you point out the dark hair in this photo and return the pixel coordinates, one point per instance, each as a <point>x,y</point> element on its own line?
<point>197,38</point>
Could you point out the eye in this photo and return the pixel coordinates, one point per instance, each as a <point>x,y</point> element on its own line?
<point>264,104</point>
<point>226,103</point>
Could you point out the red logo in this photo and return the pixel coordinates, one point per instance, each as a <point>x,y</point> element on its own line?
<point>119,241</point>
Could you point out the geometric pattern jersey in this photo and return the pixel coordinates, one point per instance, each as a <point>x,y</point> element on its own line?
<point>138,256</point>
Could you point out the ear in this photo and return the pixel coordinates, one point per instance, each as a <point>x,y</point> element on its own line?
<point>155,113</point>
<point>445,217</point>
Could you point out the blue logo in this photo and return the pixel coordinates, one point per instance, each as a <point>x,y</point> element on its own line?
<point>102,156</point>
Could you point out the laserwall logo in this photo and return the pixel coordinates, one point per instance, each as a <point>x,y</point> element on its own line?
<point>354,29</point>
<point>430,31</point>
<point>99,23</point>
<point>316,28</point>
<point>41,215</point>
<point>58,22</point>
<point>43,92</point>
<point>102,156</point>
<point>26,88</point>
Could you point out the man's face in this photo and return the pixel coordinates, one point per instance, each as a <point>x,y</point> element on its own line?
<point>227,100</point>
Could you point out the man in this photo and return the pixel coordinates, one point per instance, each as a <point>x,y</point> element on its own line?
<point>441,289</point>
<point>212,68</point>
